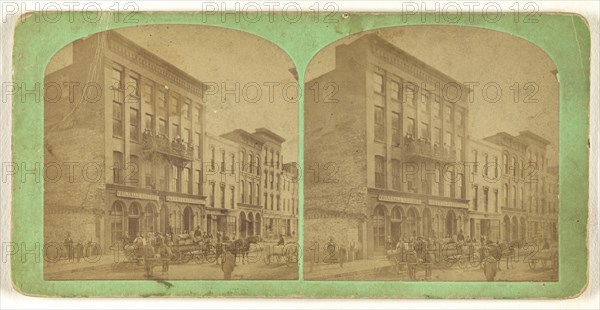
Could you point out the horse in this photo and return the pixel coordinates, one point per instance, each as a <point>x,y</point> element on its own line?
<point>242,247</point>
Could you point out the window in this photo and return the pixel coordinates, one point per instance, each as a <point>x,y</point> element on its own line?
<point>396,129</point>
<point>212,194</point>
<point>425,103</point>
<point>175,184</point>
<point>278,182</point>
<point>197,145</point>
<point>266,201</point>
<point>506,195</point>
<point>185,109</point>
<point>505,163</point>
<point>132,86</point>
<point>424,130</point>
<point>409,94</point>
<point>117,167</point>
<point>222,161</point>
<point>379,172</point>
<point>149,176</point>
<point>448,138</point>
<point>475,197</point>
<point>396,94</point>
<point>174,105</point>
<point>514,197</point>
<point>272,202</point>
<point>437,136</point>
<point>250,193</point>
<point>117,119</point>
<point>496,200</point>
<point>212,158</point>
<point>175,133</point>
<point>378,83</point>
<point>232,163</point>
<point>186,180</point>
<point>160,98</point>
<point>134,124</point>
<point>232,197</point>
<point>437,112</point>
<point>396,175</point>
<point>162,127</point>
<point>410,126</point>
<point>278,203</point>
<point>198,182</point>
<point>187,136</point>
<point>149,218</point>
<point>243,191</point>
<point>379,124</point>
<point>257,194</point>
<point>117,79</point>
<point>266,179</point>
<point>134,168</point>
<point>485,199</point>
<point>514,166</point>
<point>162,177</point>
<point>272,179</point>
<point>197,115</point>
<point>222,195</point>
<point>149,122</point>
<point>147,94</point>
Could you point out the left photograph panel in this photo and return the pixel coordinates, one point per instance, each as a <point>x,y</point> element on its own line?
<point>171,152</point>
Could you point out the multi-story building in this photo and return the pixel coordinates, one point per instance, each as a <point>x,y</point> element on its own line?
<point>145,160</point>
<point>139,145</point>
<point>249,148</point>
<point>381,154</point>
<point>528,202</point>
<point>221,187</point>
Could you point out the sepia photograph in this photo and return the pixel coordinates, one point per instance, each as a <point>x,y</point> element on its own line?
<point>176,158</point>
<point>431,154</point>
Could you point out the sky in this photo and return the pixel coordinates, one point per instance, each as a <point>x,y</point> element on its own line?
<point>470,54</point>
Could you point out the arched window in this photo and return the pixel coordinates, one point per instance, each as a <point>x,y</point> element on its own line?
<point>506,195</point>
<point>242,191</point>
<point>149,218</point>
<point>514,166</point>
<point>243,158</point>
<point>379,227</point>
<point>250,193</point>
<point>250,162</point>
<point>505,163</point>
<point>257,164</point>
<point>257,194</point>
<point>116,222</point>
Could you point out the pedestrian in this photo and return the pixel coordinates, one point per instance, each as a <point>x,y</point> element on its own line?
<point>281,240</point>
<point>149,259</point>
<point>227,265</point>
<point>342,255</point>
<point>69,246</point>
<point>165,257</point>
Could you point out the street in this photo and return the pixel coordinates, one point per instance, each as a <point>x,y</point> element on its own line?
<point>381,270</point>
<point>190,271</point>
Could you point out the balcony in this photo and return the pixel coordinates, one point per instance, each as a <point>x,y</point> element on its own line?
<point>160,144</point>
<point>422,148</point>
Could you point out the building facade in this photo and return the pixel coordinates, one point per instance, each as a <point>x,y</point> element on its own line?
<point>389,156</point>
<point>484,190</point>
<point>141,153</point>
<point>393,140</point>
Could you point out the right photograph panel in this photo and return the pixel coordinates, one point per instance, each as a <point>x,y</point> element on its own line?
<point>431,154</point>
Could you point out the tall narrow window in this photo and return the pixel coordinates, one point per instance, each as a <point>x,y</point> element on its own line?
<point>118,119</point>
<point>395,92</point>
<point>186,180</point>
<point>117,167</point>
<point>149,122</point>
<point>223,196</point>
<point>410,94</point>
<point>134,124</point>
<point>198,182</point>
<point>475,197</point>
<point>378,83</point>
<point>133,170</point>
<point>379,172</point>
<point>396,129</point>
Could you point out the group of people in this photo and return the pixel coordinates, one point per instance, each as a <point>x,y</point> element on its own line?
<point>153,248</point>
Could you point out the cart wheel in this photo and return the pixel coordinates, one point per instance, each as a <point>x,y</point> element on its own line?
<point>532,264</point>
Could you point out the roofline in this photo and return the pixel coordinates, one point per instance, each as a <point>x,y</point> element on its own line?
<point>269,133</point>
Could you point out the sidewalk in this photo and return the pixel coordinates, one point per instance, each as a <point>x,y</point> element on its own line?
<point>85,263</point>
<point>324,271</point>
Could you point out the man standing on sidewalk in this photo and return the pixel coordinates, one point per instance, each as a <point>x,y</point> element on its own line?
<point>227,264</point>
